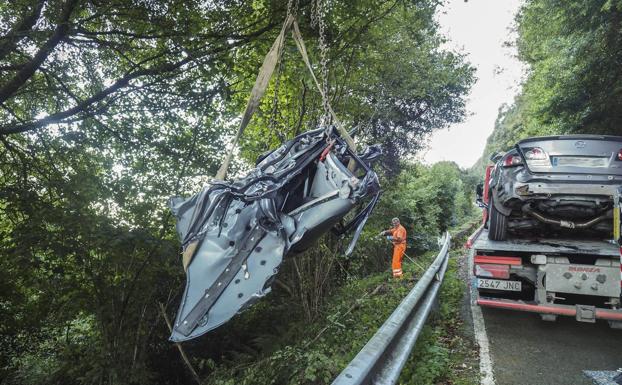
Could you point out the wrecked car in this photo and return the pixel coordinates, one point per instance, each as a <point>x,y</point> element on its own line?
<point>236,234</point>
<point>555,184</point>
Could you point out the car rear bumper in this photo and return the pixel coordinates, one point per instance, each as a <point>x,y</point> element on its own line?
<point>554,309</point>
<point>528,189</point>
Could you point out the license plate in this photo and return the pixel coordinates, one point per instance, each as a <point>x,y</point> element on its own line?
<point>578,161</point>
<point>499,284</point>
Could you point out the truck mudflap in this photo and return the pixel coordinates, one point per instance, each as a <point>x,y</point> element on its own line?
<point>582,313</point>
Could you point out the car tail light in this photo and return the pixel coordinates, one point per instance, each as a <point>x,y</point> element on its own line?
<point>537,157</point>
<point>620,154</point>
<point>512,160</point>
<point>536,153</point>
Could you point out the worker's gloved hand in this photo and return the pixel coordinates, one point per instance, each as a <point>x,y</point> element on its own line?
<point>390,237</point>
<point>381,233</point>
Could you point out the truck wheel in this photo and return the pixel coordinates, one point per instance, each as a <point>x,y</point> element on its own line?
<point>497,223</point>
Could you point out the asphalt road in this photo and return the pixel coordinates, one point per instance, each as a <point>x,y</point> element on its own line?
<point>528,351</point>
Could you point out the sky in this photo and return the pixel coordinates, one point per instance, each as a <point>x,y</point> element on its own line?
<point>478,28</point>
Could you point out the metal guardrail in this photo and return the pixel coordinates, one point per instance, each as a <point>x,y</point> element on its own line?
<point>383,357</point>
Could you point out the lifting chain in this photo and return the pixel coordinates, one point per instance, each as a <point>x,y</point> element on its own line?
<point>314,13</point>
<point>318,17</point>
<point>292,8</point>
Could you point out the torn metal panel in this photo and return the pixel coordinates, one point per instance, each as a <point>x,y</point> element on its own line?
<point>236,234</point>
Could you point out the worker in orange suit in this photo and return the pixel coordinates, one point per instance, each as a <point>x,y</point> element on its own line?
<point>397,235</point>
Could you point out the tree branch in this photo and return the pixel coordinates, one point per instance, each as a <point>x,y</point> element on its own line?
<point>85,104</point>
<point>59,117</point>
<point>31,67</point>
<point>17,33</point>
<point>179,347</point>
<point>11,67</point>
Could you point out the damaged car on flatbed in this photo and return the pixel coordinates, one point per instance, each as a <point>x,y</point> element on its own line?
<point>565,184</point>
<point>235,234</point>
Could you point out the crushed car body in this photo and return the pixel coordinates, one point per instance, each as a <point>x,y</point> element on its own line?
<point>563,184</point>
<point>236,234</point>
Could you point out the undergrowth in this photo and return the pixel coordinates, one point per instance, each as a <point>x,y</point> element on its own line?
<point>315,353</point>
<point>443,355</point>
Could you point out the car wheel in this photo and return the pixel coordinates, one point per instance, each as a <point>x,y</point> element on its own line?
<point>497,223</point>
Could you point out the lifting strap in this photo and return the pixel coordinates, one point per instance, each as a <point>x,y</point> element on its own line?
<point>261,85</point>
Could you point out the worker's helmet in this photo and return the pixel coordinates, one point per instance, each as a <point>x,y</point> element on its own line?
<point>395,221</point>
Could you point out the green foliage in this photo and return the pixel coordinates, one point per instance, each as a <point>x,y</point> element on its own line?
<point>428,200</point>
<point>315,353</point>
<point>443,353</point>
<point>434,359</point>
<point>318,351</point>
<point>109,108</point>
<point>391,79</point>
<point>573,50</point>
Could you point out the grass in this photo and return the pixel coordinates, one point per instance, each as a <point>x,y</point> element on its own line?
<point>319,351</point>
<point>444,354</point>
<point>315,353</point>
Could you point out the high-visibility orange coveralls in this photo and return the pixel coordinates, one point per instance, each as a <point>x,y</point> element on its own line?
<point>399,248</point>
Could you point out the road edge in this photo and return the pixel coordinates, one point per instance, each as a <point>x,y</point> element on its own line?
<point>479,330</point>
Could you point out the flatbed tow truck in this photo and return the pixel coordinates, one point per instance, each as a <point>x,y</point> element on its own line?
<point>549,276</point>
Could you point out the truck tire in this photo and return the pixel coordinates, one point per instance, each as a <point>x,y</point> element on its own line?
<point>497,223</point>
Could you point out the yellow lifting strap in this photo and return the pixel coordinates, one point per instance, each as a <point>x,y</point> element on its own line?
<point>261,84</point>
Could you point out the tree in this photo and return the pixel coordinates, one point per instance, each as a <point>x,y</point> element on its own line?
<point>110,107</point>
<point>573,49</point>
<point>389,76</point>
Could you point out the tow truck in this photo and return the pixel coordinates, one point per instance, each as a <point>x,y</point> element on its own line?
<point>552,277</point>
